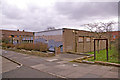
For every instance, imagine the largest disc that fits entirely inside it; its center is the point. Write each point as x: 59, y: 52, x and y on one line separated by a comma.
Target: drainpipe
x: 83, y: 43
x: 75, y: 41
x: 33, y: 39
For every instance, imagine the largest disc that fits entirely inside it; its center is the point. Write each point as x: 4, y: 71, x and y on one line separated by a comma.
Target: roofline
x: 48, y: 30
x: 114, y: 31
x: 86, y: 30
x: 62, y: 29
x: 15, y: 30
x: 76, y: 29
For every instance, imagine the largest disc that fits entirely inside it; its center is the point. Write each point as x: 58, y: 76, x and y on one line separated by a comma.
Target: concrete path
x: 61, y: 66
x: 8, y: 65
x: 13, y: 70
x: 26, y: 72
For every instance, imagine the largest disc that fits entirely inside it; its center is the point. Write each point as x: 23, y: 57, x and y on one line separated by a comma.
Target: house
x: 69, y: 40
x: 16, y: 37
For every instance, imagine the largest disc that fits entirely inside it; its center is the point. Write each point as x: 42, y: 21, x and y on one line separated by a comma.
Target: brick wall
x: 71, y: 41
x: 68, y: 40
x: 18, y: 35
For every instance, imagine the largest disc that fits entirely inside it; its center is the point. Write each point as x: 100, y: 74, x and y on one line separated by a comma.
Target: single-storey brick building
x: 69, y: 40
x: 17, y: 36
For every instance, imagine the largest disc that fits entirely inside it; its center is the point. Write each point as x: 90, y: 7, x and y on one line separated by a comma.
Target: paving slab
x: 94, y: 66
x: 63, y: 66
x: 110, y: 75
x: 89, y: 75
x: 65, y: 72
x: 26, y: 72
x: 51, y: 60
x: 72, y: 56
x: 40, y: 66
x: 62, y: 62
x: 76, y: 74
x: 27, y: 62
x: 98, y: 72
x: 8, y: 65
x: 79, y: 64
x: 114, y: 69
x: 53, y: 70
x: 51, y: 64
x: 106, y: 68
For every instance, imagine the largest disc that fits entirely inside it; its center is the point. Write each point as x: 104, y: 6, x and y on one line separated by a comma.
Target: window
x: 88, y: 39
x: 10, y: 36
x: 114, y: 36
x: 80, y: 39
x: 93, y: 39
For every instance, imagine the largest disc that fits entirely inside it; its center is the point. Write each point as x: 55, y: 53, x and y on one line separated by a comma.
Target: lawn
x: 101, y: 56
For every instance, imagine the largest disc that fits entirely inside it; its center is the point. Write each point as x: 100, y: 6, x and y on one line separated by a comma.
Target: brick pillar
x: 57, y: 50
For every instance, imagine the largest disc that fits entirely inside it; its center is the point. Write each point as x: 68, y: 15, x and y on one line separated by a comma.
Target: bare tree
x: 96, y: 27
x: 108, y: 28
x: 100, y: 29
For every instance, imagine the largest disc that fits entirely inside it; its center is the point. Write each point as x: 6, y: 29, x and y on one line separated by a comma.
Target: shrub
x: 8, y: 45
x: 20, y: 46
x: 3, y: 44
x: 40, y: 47
x: 31, y: 46
x: 28, y: 46
x: 36, y: 47
x: 5, y: 40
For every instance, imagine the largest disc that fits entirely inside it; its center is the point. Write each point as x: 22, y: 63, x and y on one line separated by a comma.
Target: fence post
x: 107, y: 48
x: 94, y: 50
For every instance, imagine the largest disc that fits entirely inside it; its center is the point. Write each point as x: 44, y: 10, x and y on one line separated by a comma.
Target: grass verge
x: 101, y: 56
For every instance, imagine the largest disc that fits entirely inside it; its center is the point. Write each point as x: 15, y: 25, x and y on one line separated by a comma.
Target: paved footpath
x: 13, y: 70
x: 60, y: 66
x: 8, y: 65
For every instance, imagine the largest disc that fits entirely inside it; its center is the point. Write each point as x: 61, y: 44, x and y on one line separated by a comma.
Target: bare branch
x: 100, y: 28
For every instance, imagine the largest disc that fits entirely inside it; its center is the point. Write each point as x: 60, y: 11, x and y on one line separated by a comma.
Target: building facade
x: 17, y: 37
x: 54, y: 38
x: 69, y: 40
x: 114, y: 35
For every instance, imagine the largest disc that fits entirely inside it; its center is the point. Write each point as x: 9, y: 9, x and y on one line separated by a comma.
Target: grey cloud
x: 79, y: 10
x: 38, y: 18
x: 30, y: 19
x: 11, y: 11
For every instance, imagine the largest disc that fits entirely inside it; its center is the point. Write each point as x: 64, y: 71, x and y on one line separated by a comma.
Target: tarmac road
x: 12, y: 70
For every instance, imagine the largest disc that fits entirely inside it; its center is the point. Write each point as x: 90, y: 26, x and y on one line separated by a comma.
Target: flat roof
x: 15, y: 31
x: 49, y: 30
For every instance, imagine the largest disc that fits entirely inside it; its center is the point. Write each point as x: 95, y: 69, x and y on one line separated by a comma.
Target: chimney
x: 17, y: 29
x: 23, y: 30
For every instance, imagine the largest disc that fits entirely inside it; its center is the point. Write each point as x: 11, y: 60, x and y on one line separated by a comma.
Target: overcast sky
x: 37, y: 15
